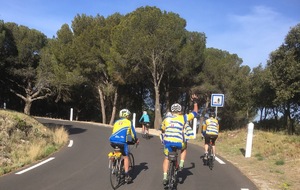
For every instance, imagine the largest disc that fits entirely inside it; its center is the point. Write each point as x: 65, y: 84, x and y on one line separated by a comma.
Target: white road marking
x: 219, y: 160
x: 70, y: 143
x: 244, y: 189
x: 32, y: 167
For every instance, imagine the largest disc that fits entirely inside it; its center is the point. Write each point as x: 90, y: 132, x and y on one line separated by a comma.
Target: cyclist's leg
x: 125, y: 157
x: 126, y: 164
x: 206, y: 142
x: 143, y: 128
x: 214, y: 144
x: 183, y: 155
x: 147, y: 127
x: 165, y: 165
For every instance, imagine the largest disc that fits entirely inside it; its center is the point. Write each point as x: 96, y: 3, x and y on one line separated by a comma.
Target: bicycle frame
x: 116, y: 168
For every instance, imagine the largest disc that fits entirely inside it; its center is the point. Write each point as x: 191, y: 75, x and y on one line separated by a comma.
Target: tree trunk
x: 27, y: 107
x: 102, y: 104
x: 114, y: 108
x: 158, y: 119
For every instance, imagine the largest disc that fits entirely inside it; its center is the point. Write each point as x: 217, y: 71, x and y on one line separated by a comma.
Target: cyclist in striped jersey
x: 172, y: 128
x: 210, y: 129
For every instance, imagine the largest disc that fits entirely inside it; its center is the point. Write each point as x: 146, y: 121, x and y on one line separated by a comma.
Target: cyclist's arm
x: 141, y: 118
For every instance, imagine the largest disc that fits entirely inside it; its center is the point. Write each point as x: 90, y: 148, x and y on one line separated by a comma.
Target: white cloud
x: 254, y: 35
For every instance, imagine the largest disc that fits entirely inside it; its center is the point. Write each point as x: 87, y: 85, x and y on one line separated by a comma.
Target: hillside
x: 23, y: 140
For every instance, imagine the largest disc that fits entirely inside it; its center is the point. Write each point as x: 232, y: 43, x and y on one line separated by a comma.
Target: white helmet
x: 176, y: 107
x: 124, y: 113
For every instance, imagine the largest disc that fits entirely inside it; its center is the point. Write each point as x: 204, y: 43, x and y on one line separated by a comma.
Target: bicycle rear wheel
x: 115, y: 174
x: 210, y: 158
x: 172, y: 177
x: 131, y: 162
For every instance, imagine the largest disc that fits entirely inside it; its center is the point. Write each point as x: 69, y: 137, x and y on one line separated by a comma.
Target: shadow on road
x: 139, y: 168
x: 182, y: 175
x: 70, y: 128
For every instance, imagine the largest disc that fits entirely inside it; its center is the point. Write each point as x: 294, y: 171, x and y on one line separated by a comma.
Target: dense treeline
x: 144, y: 60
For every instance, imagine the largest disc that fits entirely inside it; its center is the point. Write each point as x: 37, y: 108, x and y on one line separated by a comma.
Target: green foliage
x: 279, y: 162
x: 259, y: 156
x: 284, y: 65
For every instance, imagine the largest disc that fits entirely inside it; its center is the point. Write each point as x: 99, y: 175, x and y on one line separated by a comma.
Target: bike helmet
x: 124, y: 113
x: 212, y: 114
x: 176, y: 107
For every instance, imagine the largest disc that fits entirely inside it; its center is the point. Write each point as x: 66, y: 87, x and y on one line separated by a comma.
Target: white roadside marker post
x: 249, y: 140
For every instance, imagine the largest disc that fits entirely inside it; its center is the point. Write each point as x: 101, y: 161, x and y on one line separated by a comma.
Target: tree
x: 147, y: 38
x: 222, y: 73
x: 284, y: 64
x: 23, y: 78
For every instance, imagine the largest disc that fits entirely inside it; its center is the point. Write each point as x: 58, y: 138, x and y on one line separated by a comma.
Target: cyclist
x: 210, y: 129
x: 145, y: 120
x: 124, y: 133
x: 172, y: 128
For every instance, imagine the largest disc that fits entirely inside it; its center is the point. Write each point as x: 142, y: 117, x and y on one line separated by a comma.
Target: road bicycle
x: 116, y: 167
x: 210, y: 155
x: 209, y: 161
x: 145, y: 134
x: 173, y: 169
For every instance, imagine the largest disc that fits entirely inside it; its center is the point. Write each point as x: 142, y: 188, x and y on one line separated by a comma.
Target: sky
x: 251, y: 29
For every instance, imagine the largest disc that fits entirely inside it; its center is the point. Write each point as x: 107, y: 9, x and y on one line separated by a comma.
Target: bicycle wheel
x: 115, y: 174
x: 172, y: 181
x: 131, y: 162
x: 147, y: 136
x: 210, y: 158
x: 211, y: 162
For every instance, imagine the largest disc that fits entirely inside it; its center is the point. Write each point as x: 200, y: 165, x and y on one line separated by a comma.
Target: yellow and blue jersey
x: 211, y: 126
x: 122, y: 128
x: 173, y: 127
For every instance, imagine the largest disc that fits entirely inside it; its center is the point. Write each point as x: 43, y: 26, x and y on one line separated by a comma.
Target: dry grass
x: 274, y: 161
x: 23, y: 140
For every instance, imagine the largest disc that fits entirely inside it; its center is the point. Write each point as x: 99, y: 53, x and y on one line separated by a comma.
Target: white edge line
x: 244, y: 189
x: 219, y: 160
x: 70, y: 143
x: 32, y: 167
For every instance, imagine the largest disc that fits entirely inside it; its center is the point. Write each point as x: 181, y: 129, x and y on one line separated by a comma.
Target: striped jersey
x: 211, y: 126
x: 173, y: 127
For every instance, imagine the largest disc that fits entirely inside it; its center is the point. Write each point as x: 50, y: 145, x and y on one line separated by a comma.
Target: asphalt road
x: 83, y: 165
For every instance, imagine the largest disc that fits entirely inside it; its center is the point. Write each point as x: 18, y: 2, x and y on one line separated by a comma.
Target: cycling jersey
x: 211, y: 126
x: 145, y: 118
x: 173, y: 127
x: 122, y: 131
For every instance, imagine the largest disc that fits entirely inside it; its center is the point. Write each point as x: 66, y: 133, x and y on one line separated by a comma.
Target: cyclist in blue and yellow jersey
x: 210, y: 129
x: 123, y: 133
x: 172, y: 128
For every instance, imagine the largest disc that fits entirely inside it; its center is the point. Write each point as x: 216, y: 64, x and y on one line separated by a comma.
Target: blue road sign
x: 217, y: 100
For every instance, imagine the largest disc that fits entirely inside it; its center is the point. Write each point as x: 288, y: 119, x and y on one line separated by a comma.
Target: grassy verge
x: 274, y: 162
x: 23, y: 140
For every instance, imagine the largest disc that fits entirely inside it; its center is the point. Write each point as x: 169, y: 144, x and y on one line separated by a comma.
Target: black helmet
x: 212, y: 114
